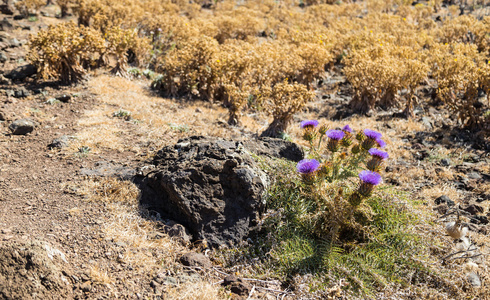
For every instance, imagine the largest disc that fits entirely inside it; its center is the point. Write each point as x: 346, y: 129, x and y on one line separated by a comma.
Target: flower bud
x: 355, y: 199
x: 356, y: 149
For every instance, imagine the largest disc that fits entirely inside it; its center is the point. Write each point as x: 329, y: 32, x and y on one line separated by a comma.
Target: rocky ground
x: 68, y: 230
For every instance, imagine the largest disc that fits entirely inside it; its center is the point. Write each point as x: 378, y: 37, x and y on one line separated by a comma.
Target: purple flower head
x: 370, y: 177
x: 335, y: 134
x: 372, y: 134
x: 309, y: 123
x: 378, y: 153
x: 347, y: 129
x: 381, y: 143
x: 307, y: 166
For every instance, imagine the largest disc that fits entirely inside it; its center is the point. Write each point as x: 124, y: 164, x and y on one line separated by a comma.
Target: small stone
x: 474, y: 175
x: 59, y: 143
x: 237, y: 285
x: 22, y: 126
x: 22, y: 72
x: 479, y: 220
x: 427, y: 122
x: 63, y: 98
x: 193, y: 259
x: 446, y: 162
x: 14, y: 43
x: 3, y: 57
x: 5, y: 81
x: 474, y: 279
x: 444, y: 199
x: 121, y: 244
x: 86, y: 286
x: 474, y: 209
x: 170, y: 280
x: 21, y: 92
x: 6, y: 24
x: 178, y: 232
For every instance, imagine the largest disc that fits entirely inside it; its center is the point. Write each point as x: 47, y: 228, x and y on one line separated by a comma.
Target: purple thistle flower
x: 370, y: 177
x: 347, y: 129
x: 372, y: 134
x: 381, y: 143
x: 378, y: 153
x: 307, y: 166
x: 335, y: 134
x: 309, y: 123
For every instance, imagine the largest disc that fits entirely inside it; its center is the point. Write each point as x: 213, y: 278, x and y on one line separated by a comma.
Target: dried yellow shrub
x: 65, y: 51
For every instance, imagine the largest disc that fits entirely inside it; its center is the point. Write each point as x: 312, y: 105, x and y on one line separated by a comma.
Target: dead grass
x: 198, y: 290
x: 132, y: 225
x: 99, y: 276
x: 156, y: 121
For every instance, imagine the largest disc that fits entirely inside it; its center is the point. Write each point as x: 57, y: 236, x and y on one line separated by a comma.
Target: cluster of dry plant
x: 26, y: 7
x: 67, y: 51
x: 232, y: 52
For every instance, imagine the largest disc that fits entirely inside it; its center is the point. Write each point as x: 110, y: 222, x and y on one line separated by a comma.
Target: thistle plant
x: 341, y: 175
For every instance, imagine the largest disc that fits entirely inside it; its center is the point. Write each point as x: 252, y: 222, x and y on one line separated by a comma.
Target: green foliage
x: 388, y: 253
x: 123, y: 114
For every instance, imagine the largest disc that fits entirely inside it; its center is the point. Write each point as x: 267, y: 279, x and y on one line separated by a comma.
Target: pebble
x: 474, y: 279
x: 446, y: 162
x: 21, y: 93
x: 22, y: 126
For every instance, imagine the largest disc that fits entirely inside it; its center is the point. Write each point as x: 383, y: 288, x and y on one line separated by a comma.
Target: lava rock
x: 4, y: 81
x: 22, y: 126
x: 63, y: 98
x: 211, y: 186
x: 59, y: 143
x: 427, y: 122
x: 9, y: 93
x: 274, y: 147
x: 15, y: 43
x: 21, y: 92
x: 3, y: 57
x: 474, y: 209
x: 7, y: 8
x: 446, y: 162
x: 22, y: 72
x: 6, y: 24
x: 444, y: 199
x: 474, y: 175
x: 237, y: 285
x: 193, y: 259
x: 479, y: 220
x: 177, y: 232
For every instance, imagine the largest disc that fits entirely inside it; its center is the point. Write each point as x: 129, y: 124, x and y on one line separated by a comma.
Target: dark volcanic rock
x: 237, y: 285
x: 22, y: 72
x: 21, y: 92
x: 210, y: 185
x: 275, y: 148
x: 60, y: 143
x: 63, y: 98
x: 193, y: 259
x: 474, y: 209
x: 22, y: 126
x: 444, y: 199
